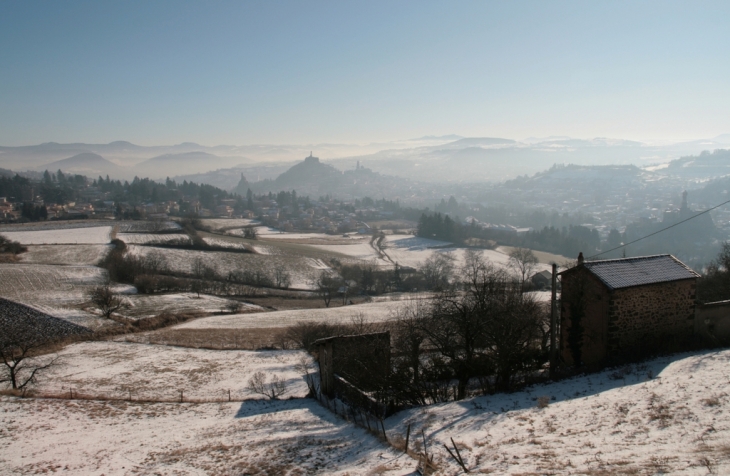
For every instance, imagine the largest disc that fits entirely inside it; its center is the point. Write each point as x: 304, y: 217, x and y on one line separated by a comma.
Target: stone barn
x: 362, y: 361
x: 621, y: 309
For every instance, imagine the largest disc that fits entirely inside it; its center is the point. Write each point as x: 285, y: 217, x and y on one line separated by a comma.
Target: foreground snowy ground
x: 158, y: 372
x: 122, y: 438
x: 668, y: 416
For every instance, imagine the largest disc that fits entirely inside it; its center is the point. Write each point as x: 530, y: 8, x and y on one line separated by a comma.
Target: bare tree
x: 20, y: 369
x: 523, y: 261
x: 489, y: 328
x: 326, y: 286
x: 250, y: 232
x: 282, y: 278
x: 106, y: 300
x: 154, y: 263
x: 438, y: 270
x: 273, y: 389
x: 157, y: 224
x: 233, y: 306
x: 409, y: 339
x: 26, y: 337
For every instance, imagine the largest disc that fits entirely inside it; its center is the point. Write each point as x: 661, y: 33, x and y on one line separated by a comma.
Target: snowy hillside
x: 668, y: 416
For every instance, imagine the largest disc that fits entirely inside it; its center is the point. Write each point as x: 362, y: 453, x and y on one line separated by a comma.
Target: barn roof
x: 639, y: 271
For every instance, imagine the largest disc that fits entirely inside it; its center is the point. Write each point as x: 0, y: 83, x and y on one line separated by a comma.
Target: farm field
x: 267, y: 233
x: 127, y: 438
x: 542, y: 256
x: 360, y: 249
x: 409, y: 250
x: 142, y: 226
x: 302, y: 269
x: 97, y: 235
x: 372, y: 312
x: 667, y: 416
x: 146, y: 305
x: 153, y: 238
x: 224, y: 224
x: 65, y: 254
x: 60, y: 225
x: 226, y: 243
x: 156, y: 372
x: 56, y: 290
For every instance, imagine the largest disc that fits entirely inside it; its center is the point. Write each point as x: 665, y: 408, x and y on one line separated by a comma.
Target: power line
x: 657, y: 232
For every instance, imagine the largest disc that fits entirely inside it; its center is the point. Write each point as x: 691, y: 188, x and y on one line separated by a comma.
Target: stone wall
x: 595, y: 298
x: 629, y: 323
x: 645, y: 319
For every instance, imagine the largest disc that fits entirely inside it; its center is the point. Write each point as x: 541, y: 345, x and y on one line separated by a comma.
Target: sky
x: 310, y: 72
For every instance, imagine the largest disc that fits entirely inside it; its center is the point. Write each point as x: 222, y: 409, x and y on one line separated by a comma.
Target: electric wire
x: 659, y: 231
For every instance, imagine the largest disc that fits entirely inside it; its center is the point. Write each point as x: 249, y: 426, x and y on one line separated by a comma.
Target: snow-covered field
x: 153, y: 238
x: 290, y: 437
x: 55, y: 290
x: 267, y: 233
x: 223, y: 243
x: 302, y: 269
x: 113, y: 369
x: 67, y: 236
x: 372, y: 312
x: 227, y: 223
x: 359, y: 249
x: 141, y: 226
x: 65, y: 254
x: 667, y: 416
x: 146, y: 305
x: 409, y: 250
x: 59, y: 225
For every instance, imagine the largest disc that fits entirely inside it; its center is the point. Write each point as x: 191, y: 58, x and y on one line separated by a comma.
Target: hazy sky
x: 307, y: 71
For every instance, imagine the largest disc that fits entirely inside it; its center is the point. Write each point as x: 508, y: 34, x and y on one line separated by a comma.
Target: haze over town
x: 365, y: 238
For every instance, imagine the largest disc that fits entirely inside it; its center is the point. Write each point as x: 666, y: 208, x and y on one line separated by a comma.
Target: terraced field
x: 56, y: 290
x: 65, y: 254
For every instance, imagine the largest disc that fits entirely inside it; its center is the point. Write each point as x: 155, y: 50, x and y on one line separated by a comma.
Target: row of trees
x: 568, y: 240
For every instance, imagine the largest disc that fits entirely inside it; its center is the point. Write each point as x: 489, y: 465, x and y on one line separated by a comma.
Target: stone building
x: 620, y: 309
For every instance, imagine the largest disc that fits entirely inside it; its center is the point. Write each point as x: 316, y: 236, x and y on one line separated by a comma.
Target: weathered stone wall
x: 595, y: 321
x: 644, y: 319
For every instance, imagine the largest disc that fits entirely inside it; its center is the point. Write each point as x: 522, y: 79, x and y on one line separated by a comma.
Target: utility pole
x: 553, y: 324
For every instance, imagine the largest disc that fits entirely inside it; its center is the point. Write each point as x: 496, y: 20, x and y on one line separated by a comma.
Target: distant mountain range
x: 87, y: 163
x: 437, y: 159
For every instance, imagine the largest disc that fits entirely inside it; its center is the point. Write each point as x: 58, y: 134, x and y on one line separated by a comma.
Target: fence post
x: 181, y: 396
x: 229, y: 394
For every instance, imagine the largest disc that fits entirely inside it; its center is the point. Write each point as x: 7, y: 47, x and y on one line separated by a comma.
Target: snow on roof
x: 628, y: 272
